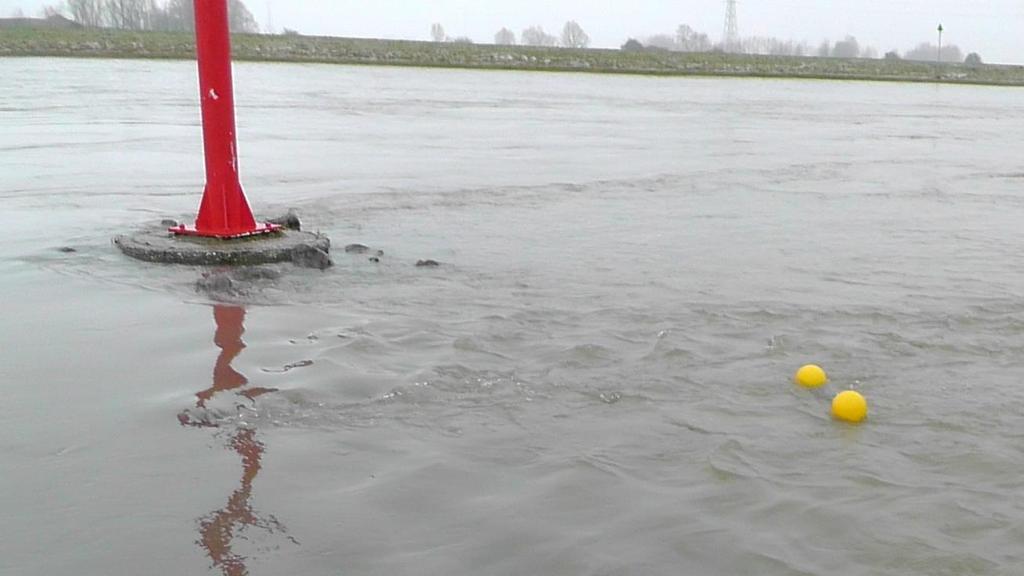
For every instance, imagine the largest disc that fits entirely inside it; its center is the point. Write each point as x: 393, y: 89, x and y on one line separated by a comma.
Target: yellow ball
x: 850, y: 406
x: 811, y: 376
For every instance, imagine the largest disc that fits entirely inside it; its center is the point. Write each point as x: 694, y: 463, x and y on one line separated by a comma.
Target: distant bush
x: 848, y: 48
x: 663, y: 42
x: 632, y: 45
x: 892, y: 55
x: 928, y: 52
x: 973, y: 59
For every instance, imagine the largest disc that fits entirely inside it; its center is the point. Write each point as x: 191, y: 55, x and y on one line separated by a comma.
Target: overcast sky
x: 993, y: 28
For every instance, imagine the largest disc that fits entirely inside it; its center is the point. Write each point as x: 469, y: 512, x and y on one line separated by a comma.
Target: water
x: 595, y: 381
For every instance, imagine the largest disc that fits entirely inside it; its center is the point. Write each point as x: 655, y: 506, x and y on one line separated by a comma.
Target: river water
x: 596, y: 380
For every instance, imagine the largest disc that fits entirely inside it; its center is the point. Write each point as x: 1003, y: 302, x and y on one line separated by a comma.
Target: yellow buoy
x: 850, y: 406
x: 810, y: 376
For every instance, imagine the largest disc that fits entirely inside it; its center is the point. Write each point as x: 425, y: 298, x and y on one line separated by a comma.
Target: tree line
x: 573, y: 36
x: 686, y: 39
x: 165, y: 15
x: 178, y: 15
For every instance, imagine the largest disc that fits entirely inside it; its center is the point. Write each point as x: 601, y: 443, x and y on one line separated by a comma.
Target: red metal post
x: 224, y: 212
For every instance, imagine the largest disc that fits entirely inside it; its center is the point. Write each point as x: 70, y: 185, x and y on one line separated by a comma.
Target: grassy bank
x: 115, y: 44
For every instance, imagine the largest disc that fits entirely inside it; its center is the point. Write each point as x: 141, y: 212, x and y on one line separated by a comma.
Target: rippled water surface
x: 596, y: 380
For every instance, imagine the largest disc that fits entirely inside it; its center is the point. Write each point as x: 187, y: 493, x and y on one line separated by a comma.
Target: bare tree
x: 505, y: 37
x: 437, y: 32
x: 157, y: 18
x: 573, y: 35
x: 689, y: 40
x: 86, y: 12
x: 115, y: 13
x: 50, y: 11
x: 17, y: 13
x: 536, y: 36
x: 149, y: 10
x: 131, y: 14
x: 824, y: 50
x: 120, y: 14
x: 240, y: 19
x: 178, y: 16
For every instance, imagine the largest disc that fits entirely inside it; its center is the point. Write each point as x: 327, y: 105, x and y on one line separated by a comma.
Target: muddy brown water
x: 595, y: 380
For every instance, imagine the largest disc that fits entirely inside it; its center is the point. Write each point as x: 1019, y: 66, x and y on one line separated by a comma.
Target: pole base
x: 154, y: 244
x: 182, y: 230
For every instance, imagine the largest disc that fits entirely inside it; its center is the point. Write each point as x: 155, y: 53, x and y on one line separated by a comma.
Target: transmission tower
x: 731, y: 34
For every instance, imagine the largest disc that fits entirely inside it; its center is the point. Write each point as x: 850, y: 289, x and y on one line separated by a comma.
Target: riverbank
x: 264, y: 48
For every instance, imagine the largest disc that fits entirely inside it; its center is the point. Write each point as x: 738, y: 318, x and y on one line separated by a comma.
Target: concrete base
x: 156, y: 244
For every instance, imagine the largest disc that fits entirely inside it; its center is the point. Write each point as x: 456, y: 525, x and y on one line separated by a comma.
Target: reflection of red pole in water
x: 228, y: 337
x: 224, y: 212
x: 230, y: 322
x: 217, y: 530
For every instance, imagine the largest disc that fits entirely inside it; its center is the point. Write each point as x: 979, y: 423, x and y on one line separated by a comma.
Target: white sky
x: 992, y: 28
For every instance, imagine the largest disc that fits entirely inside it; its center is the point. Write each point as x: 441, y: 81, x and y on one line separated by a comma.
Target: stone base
x: 156, y: 244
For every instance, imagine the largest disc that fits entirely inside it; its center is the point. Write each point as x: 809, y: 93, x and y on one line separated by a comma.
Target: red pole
x: 224, y: 212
